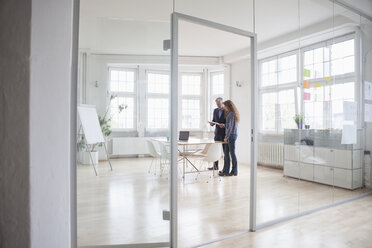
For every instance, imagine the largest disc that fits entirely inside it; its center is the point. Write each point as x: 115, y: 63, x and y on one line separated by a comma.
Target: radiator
x: 270, y: 154
x: 129, y: 146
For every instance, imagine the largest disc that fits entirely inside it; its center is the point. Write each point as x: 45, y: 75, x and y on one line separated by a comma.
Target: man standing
x: 219, y: 132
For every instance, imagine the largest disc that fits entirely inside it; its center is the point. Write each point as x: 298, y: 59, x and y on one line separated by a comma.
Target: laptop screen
x: 184, y: 135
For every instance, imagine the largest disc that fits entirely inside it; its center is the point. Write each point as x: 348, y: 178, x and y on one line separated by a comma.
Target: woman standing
x: 231, y: 127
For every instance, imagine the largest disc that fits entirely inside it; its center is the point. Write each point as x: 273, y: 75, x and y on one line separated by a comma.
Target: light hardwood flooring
x: 125, y: 205
x: 345, y: 226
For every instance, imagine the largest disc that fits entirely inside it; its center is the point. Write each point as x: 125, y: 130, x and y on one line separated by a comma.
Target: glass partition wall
x: 310, y: 113
x: 125, y: 77
x: 311, y: 132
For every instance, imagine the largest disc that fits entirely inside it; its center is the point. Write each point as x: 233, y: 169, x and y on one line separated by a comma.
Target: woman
x: 231, y: 127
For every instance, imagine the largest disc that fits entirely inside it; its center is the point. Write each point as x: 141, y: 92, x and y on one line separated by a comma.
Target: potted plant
x: 105, y: 123
x: 83, y: 152
x: 299, y: 119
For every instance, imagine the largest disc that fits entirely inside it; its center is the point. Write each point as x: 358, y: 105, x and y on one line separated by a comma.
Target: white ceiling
x: 140, y: 26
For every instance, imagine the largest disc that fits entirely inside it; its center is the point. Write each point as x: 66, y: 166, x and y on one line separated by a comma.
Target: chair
x: 213, y: 154
x: 202, y: 152
x: 165, y: 157
x: 154, y: 154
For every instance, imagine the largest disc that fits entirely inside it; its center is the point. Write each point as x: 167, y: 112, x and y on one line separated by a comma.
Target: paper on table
x: 328, y: 79
x: 349, y: 134
x: 316, y: 85
x: 368, y: 112
x: 350, y: 111
x: 368, y: 90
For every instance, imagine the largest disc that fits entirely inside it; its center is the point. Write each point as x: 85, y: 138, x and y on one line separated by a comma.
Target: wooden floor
x: 125, y: 205
x: 345, y: 226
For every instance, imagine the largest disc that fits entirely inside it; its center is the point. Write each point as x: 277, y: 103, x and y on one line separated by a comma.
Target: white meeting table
x: 183, y: 152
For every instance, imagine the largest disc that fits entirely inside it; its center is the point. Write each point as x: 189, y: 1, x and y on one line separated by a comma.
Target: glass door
x: 124, y: 77
x: 209, y: 207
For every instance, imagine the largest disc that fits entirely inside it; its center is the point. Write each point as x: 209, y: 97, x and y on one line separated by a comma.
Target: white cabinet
x: 291, y: 169
x: 307, y: 154
x: 348, y: 159
x: 323, y: 156
x: 350, y: 179
x: 307, y: 171
x: 325, y: 161
x: 323, y: 174
x: 291, y: 152
x: 299, y: 170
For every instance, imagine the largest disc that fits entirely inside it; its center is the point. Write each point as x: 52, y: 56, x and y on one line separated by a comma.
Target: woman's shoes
x: 221, y: 174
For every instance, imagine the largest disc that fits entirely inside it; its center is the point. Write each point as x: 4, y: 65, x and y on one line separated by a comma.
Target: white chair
x: 165, y: 157
x: 213, y: 154
x: 154, y: 154
x: 202, y: 152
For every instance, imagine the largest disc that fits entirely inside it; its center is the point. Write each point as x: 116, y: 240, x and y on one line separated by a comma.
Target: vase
x: 299, y: 125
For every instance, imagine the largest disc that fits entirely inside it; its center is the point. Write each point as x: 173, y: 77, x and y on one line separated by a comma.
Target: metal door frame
x: 175, y: 18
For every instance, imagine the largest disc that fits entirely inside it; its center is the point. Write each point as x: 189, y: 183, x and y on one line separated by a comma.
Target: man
x: 219, y: 132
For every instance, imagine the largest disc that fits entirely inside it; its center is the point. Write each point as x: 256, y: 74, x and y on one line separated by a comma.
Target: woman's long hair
x: 231, y: 107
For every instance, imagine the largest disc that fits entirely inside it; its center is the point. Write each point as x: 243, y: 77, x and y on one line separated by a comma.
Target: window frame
x: 199, y: 97
x: 133, y: 95
x: 336, y: 79
x: 156, y: 95
x: 299, y: 91
x: 212, y: 97
x: 276, y: 88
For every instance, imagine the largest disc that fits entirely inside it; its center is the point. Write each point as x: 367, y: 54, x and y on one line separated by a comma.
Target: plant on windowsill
x: 299, y: 119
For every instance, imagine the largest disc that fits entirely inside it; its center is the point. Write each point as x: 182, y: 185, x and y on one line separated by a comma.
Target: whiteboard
x: 89, y: 121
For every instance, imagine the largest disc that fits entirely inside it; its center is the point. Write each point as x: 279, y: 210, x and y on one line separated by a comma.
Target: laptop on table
x: 184, y: 136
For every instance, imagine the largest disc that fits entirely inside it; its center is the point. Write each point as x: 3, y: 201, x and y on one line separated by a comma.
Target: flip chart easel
x: 92, y: 130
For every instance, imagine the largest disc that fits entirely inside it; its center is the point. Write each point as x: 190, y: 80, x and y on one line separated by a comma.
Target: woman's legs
x: 226, y: 167
x: 232, y: 140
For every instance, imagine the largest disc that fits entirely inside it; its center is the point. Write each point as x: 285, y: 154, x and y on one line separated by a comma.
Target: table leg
x: 184, y: 160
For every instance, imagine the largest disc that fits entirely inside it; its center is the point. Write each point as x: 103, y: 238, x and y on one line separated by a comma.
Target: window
x: 157, y: 100
x: 268, y: 109
x: 190, y: 113
x: 314, y: 108
x: 121, y: 80
x: 217, y: 89
x: 278, y: 84
x: 342, y: 55
x: 287, y: 69
x: 338, y: 94
x: 287, y: 108
x: 317, y: 62
x: 326, y: 81
x: 269, y: 73
x: 329, y: 70
x: 328, y: 59
x: 142, y: 103
x: 122, y: 107
x: 217, y: 84
x: 158, y: 83
x: 157, y: 113
x: 190, y: 84
x: 191, y: 100
x: 122, y: 119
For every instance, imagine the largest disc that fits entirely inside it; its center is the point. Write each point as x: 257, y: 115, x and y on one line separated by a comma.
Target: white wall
x: 35, y: 107
x: 15, y: 18
x: 241, y: 96
x: 50, y: 123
